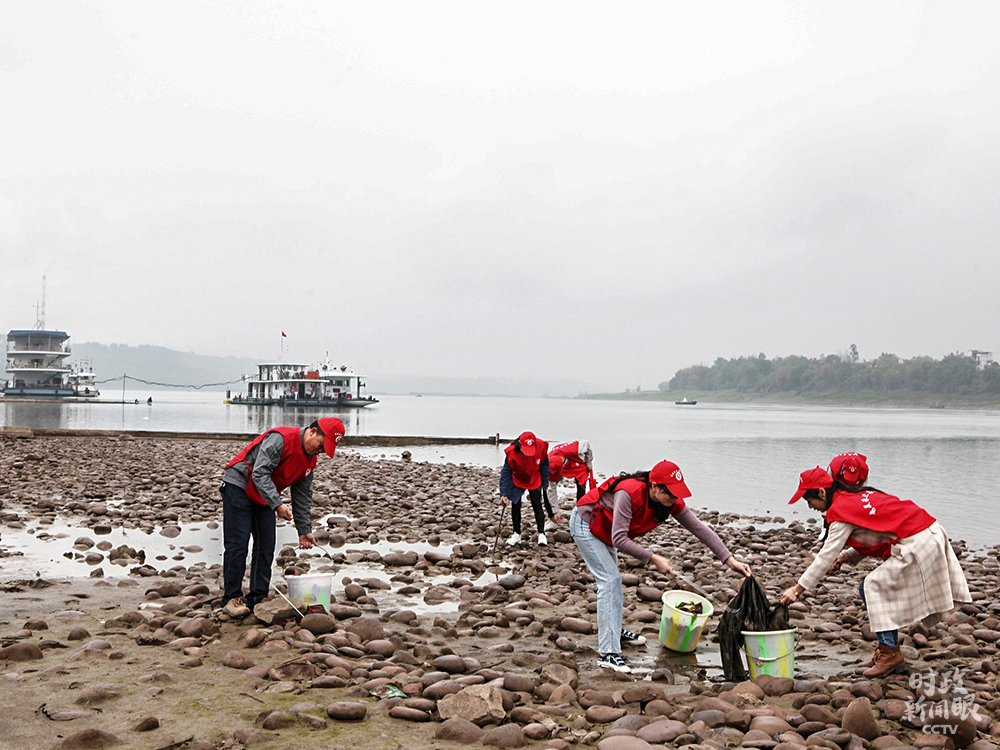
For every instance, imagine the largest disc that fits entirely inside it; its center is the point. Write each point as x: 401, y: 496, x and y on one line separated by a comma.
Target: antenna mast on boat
x: 40, y: 310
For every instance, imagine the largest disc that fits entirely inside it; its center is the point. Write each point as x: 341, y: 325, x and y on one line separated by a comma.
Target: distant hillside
x: 161, y: 365
x: 957, y: 374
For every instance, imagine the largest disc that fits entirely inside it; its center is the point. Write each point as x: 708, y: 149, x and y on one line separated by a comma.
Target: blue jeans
x: 242, y: 519
x: 885, y: 637
x: 602, y: 560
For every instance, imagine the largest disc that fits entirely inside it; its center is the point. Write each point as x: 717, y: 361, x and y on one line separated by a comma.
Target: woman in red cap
x: 920, y: 579
x: 608, y: 519
x: 526, y: 467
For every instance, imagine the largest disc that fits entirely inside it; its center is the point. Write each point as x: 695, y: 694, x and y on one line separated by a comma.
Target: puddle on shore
x: 40, y: 551
x: 813, y: 660
x: 47, y: 551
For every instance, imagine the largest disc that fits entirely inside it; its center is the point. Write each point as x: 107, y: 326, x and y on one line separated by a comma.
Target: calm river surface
x: 735, y: 457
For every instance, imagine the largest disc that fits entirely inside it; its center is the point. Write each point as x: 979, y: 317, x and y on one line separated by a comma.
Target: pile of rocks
x: 507, y: 661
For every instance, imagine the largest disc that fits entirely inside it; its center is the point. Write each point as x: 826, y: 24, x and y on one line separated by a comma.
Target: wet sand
x: 113, y: 610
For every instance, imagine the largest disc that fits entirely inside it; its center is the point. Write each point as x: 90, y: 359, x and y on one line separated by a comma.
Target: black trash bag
x: 778, y: 619
x: 748, y: 611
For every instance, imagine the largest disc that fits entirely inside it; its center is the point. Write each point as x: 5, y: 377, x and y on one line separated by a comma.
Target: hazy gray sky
x: 600, y: 191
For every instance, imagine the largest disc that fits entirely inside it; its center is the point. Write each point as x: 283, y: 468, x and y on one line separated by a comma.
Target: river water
x: 736, y: 457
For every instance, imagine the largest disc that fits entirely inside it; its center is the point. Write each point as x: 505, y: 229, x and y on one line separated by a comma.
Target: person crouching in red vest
x: 526, y: 467
x: 251, y: 499
x: 849, y: 468
x: 920, y: 579
x: 608, y: 519
x: 569, y: 461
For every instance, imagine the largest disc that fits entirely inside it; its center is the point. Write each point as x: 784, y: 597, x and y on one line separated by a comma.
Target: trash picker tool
x: 696, y: 588
x: 503, y: 510
x: 290, y: 603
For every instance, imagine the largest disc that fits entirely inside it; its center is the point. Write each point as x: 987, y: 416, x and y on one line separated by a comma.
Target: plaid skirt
x: 920, y: 582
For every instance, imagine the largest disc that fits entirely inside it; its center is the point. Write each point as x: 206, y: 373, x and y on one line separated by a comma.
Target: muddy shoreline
x: 422, y: 603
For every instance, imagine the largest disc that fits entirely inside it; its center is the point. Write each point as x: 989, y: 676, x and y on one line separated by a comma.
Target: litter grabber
x: 290, y: 603
x: 698, y: 589
x: 503, y: 510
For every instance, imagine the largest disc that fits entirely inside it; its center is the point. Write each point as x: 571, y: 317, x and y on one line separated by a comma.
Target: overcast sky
x: 602, y: 191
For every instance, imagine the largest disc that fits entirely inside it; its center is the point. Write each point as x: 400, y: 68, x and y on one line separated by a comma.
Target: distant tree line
x: 954, y: 375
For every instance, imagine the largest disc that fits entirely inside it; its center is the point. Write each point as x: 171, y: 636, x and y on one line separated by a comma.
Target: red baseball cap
x: 527, y: 441
x: 850, y: 468
x: 333, y: 431
x: 813, y: 479
x: 668, y: 473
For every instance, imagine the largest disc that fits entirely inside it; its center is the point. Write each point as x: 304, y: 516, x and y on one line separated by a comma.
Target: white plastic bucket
x: 680, y: 630
x: 770, y: 652
x: 311, y: 589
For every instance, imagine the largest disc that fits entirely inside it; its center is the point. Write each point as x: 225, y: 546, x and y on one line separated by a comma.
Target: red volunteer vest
x: 293, y: 467
x: 565, y: 461
x: 526, y: 470
x: 878, y: 511
x: 643, y: 516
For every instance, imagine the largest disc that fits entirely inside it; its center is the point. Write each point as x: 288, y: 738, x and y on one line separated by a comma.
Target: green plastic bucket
x: 311, y: 589
x: 680, y: 630
x: 770, y: 652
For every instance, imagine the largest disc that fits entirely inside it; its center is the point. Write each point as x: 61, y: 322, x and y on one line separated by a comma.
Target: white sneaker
x: 615, y: 662
x: 551, y: 526
x: 628, y: 638
x: 514, y: 539
x: 542, y: 540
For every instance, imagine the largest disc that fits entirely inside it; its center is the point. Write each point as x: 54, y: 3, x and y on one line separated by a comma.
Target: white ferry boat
x: 298, y: 385
x: 36, y: 364
x: 83, y: 380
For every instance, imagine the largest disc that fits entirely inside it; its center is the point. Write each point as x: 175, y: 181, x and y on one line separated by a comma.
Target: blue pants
x: 885, y: 637
x: 602, y: 561
x: 242, y: 519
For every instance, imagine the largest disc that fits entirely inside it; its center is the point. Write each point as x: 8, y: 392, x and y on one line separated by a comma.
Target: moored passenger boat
x: 297, y: 385
x: 36, y: 364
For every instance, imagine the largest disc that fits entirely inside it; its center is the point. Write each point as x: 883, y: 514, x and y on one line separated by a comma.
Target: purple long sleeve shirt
x: 620, y: 503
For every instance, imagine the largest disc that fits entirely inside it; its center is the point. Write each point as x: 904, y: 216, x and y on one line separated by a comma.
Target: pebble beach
x: 437, y: 636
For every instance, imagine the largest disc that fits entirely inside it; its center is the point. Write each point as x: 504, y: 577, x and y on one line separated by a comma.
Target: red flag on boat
x: 284, y: 335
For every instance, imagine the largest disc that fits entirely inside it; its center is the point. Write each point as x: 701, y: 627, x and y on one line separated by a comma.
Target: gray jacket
x: 264, y: 458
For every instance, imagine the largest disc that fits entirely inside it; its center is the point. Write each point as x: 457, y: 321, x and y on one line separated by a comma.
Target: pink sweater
x: 620, y: 504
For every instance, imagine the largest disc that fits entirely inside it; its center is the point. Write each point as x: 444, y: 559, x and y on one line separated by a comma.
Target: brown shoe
x: 885, y: 661
x: 871, y: 662
x: 236, y: 607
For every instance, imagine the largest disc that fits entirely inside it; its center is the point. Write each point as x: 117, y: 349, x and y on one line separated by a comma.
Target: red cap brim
x: 679, y: 489
x: 330, y: 445
x: 333, y: 431
x: 797, y: 496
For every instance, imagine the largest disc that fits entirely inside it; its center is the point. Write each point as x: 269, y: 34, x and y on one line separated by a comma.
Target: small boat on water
x: 937, y: 405
x: 83, y: 380
x: 301, y: 386
x: 684, y: 402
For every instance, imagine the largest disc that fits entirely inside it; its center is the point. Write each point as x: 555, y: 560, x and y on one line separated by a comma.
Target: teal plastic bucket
x: 770, y: 652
